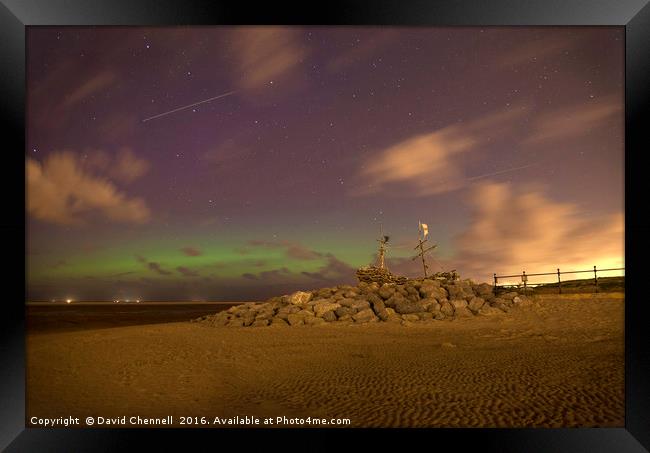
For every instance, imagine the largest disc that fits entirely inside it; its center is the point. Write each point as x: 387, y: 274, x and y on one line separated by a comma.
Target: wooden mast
x: 421, y: 241
x: 382, y: 248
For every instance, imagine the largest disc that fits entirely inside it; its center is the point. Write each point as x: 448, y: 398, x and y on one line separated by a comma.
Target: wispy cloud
x: 186, y: 272
x: 265, y: 55
x: 152, y: 265
x: 60, y: 190
x: 432, y: 163
x: 575, y: 121
x: 334, y: 270
x: 191, y: 251
x: 91, y: 86
x: 512, y: 230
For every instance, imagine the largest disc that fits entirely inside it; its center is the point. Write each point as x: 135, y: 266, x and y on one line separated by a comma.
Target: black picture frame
x: 633, y: 15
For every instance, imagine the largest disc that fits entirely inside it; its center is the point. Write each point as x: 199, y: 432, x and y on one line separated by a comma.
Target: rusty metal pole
x: 524, y: 278
x: 595, y: 279
x: 494, y: 290
x: 559, y: 282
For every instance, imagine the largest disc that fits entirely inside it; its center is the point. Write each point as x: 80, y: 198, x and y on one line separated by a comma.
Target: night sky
x: 507, y: 142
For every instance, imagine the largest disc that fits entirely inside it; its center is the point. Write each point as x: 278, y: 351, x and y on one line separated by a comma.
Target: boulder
x: 463, y: 312
x: 284, y: 312
x: 413, y: 297
x: 458, y: 303
x: 235, y: 322
x: 489, y: 310
x: 329, y: 316
x: 347, y: 302
x: 380, y: 310
x: 345, y: 318
x: 360, y: 305
x: 279, y: 322
x: 406, y: 307
x: 475, y: 304
x: 296, y: 319
x: 412, y: 290
x: 393, y: 300
x: 342, y: 311
x: 484, y: 289
x: 299, y: 298
x: 386, y: 291
x: 411, y: 317
x: 459, y: 291
x: 260, y: 323
x: 365, y: 315
x: 314, y: 320
x: 447, y: 309
x: 497, y: 301
x: 426, y: 316
x: 373, y: 298
x: 429, y: 290
x: 248, y: 318
x: 323, y: 307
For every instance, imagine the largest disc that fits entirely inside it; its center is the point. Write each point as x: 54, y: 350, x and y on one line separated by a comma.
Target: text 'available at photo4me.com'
x: 136, y: 420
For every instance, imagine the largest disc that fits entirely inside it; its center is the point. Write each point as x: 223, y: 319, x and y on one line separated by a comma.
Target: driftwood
x: 371, y: 274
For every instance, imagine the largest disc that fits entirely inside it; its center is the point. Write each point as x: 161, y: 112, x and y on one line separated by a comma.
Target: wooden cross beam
x: 424, y: 251
x: 421, y: 254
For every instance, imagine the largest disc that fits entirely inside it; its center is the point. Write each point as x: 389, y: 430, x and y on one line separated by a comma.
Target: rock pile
x: 414, y: 301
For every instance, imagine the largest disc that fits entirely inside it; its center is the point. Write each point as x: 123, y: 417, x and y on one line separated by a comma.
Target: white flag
x: 425, y: 229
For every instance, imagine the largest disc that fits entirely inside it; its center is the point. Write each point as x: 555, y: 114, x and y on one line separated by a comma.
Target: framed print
x: 413, y: 218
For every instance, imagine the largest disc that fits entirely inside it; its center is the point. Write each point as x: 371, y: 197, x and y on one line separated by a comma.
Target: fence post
x: 524, y: 278
x: 595, y: 279
x: 559, y: 282
x: 494, y: 290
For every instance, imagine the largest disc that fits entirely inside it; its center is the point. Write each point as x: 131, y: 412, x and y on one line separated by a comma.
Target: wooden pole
x: 524, y: 279
x: 595, y: 279
x: 559, y: 282
x: 424, y: 264
x: 494, y: 290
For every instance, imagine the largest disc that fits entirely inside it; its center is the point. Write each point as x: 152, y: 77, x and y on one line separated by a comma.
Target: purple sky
x: 508, y: 142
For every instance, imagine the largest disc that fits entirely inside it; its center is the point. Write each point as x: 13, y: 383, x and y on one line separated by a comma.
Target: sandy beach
x: 558, y: 363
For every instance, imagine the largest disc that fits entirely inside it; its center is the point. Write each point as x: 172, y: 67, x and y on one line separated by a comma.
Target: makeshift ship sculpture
x: 380, y: 274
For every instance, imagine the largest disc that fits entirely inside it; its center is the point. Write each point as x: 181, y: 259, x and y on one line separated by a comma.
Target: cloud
x: 292, y: 250
x: 91, y: 86
x: 152, y: 266
x: 268, y: 276
x: 186, y: 272
x: 123, y: 166
x: 191, y: 251
x: 334, y: 270
x: 514, y: 230
x: 127, y: 167
x: 432, y: 163
x: 158, y: 268
x: 61, y: 191
x: 265, y: 55
x: 574, y: 122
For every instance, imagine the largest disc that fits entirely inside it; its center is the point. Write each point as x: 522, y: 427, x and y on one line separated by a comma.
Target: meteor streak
x: 499, y: 172
x: 188, y: 106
